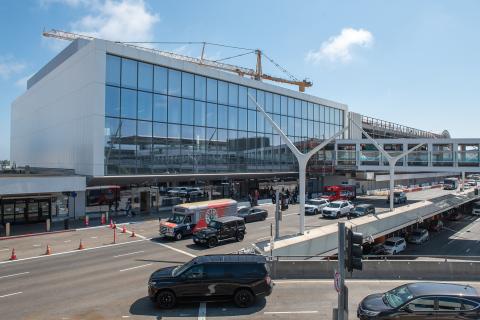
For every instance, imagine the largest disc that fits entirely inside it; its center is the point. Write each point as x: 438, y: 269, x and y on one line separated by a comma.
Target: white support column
x: 302, y: 172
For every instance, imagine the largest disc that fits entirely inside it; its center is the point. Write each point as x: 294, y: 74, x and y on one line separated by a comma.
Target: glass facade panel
x: 113, y: 70
x: 112, y: 101
x: 145, y: 76
x: 129, y: 103
x: 129, y: 73
x: 160, y: 80
x: 187, y: 85
x: 160, y: 108
x: 161, y: 120
x: 145, y: 100
x: 174, y: 82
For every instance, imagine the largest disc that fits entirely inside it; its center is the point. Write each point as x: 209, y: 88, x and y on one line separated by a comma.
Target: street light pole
x: 302, y: 158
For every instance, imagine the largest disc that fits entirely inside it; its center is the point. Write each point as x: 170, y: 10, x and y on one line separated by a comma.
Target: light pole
x: 392, y: 161
x: 302, y: 158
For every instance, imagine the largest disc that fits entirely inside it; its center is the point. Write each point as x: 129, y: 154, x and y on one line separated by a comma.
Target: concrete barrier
x: 438, y: 270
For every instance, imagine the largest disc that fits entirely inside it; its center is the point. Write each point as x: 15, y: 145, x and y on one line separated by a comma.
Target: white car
x: 394, y: 245
x: 337, y: 209
x: 418, y: 236
x: 315, y: 206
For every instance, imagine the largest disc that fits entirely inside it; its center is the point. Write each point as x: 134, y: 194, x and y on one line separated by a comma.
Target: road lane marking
x: 10, y: 294
x: 15, y: 274
x: 202, y: 311
x: 74, y: 251
x: 177, y: 250
x: 36, y: 245
x: 6, y: 249
x: 283, y: 215
x: 137, y: 267
x: 94, y: 237
x: 468, y: 250
x: 290, y: 312
x: 128, y: 254
x: 67, y: 241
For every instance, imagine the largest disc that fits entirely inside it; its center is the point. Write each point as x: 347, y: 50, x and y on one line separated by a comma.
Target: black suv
x: 238, y: 277
x: 422, y: 300
x: 223, y: 228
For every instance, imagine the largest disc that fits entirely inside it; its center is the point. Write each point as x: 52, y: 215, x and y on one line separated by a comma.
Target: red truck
x: 340, y: 192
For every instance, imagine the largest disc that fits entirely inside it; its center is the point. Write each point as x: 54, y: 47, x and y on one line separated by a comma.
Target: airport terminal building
x: 124, y: 115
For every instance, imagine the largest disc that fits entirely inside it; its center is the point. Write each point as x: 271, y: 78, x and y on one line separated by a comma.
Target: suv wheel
x: 212, y: 242
x: 166, y: 299
x: 239, y: 236
x: 243, y: 298
x: 178, y: 236
x: 337, y: 216
x: 315, y: 212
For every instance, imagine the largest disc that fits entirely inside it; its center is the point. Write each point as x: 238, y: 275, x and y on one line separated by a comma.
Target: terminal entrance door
x: 25, y: 210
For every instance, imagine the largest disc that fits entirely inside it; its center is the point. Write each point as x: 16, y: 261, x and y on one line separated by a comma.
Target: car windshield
x: 180, y: 269
x: 360, y: 209
x: 176, y: 218
x: 398, y: 296
x: 416, y: 233
x: 334, y: 205
x: 389, y: 243
x: 214, y: 224
x: 314, y: 202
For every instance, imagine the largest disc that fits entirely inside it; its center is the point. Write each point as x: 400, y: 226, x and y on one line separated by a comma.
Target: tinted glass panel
x: 113, y: 70
x: 200, y: 113
x: 112, y: 101
x: 211, y: 90
x: 232, y: 118
x: 145, y: 76
x: 160, y: 83
x: 215, y: 271
x: 222, y: 116
x: 200, y: 88
x: 211, y: 115
x: 449, y: 304
x: 251, y: 93
x: 145, y: 105
x: 222, y: 92
x: 242, y: 119
x: 160, y: 108
x: 129, y: 103
x: 174, y: 109
x: 422, y: 304
x: 242, y: 97
x: 187, y: 111
x: 129, y: 73
x: 174, y: 82
x: 187, y: 85
x: 252, y: 120
x: 232, y: 94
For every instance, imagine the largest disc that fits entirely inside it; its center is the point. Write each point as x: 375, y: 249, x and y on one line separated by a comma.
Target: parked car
x: 455, y: 216
x: 241, y: 278
x: 337, y: 209
x: 362, y: 210
x: 220, y: 229
x: 422, y: 300
x: 374, y: 250
x: 315, y: 206
x: 398, y: 198
x: 394, y: 245
x: 190, y: 193
x: 436, y: 225
x: 252, y: 214
x: 175, y: 191
x: 418, y: 236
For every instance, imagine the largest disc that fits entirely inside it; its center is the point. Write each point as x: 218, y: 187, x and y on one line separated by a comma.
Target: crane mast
x: 256, y: 74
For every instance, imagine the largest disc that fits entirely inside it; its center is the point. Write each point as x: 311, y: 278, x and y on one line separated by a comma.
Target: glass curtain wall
x: 164, y: 121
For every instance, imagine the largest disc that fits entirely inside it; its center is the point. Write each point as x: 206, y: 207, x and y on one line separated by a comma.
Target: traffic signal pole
x: 342, y: 313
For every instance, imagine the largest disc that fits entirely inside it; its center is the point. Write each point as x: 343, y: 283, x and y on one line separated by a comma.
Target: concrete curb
x: 36, y: 234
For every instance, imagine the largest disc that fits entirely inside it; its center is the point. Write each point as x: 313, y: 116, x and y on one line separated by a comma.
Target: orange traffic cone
x: 49, y: 250
x: 133, y: 233
x: 81, y: 247
x: 13, y: 256
x: 124, y: 229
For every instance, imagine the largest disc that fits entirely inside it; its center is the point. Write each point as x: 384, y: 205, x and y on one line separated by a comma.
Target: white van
x: 476, y: 208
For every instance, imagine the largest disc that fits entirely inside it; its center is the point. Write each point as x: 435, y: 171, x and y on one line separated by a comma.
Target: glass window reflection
x: 200, y: 88
x: 113, y: 70
x: 160, y: 108
x: 129, y: 103
x: 112, y: 101
x: 187, y: 85
x: 174, y: 82
x: 211, y: 115
x: 145, y: 105
x: 129, y: 73
x: 145, y: 76
x: 222, y: 92
x: 200, y: 113
x: 160, y: 80
x: 211, y: 90
x: 174, y: 109
x: 187, y: 111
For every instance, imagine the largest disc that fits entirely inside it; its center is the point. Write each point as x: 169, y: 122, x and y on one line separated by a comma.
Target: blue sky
x: 411, y: 62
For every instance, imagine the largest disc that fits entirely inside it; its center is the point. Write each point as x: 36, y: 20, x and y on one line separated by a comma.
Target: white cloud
x: 9, y: 66
x: 339, y: 47
x: 124, y: 20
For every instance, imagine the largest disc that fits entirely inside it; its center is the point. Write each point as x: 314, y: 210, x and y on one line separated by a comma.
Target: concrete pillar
x: 7, y: 229
x: 302, y: 168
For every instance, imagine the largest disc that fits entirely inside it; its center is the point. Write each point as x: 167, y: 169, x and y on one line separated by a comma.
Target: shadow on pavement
x: 145, y: 307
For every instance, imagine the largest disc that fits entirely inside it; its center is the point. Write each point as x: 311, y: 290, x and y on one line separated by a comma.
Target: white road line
x: 15, y: 274
x: 67, y: 241
x: 11, y: 294
x: 6, y: 249
x: 177, y: 250
x: 128, y: 254
x: 468, y: 250
x: 36, y: 245
x: 290, y: 312
x: 285, y: 215
x: 202, y: 311
x: 73, y: 251
x: 137, y: 267
x: 94, y: 237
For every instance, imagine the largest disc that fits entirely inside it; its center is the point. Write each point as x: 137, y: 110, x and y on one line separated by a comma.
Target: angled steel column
x: 392, y: 161
x: 302, y: 158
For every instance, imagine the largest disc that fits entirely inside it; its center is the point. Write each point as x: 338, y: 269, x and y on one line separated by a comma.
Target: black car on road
x: 223, y: 228
x: 422, y: 300
x: 252, y: 214
x: 362, y: 209
x: 240, y: 277
x: 398, y: 198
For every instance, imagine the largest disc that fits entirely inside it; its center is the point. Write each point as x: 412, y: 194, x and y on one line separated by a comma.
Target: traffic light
x: 353, y: 251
